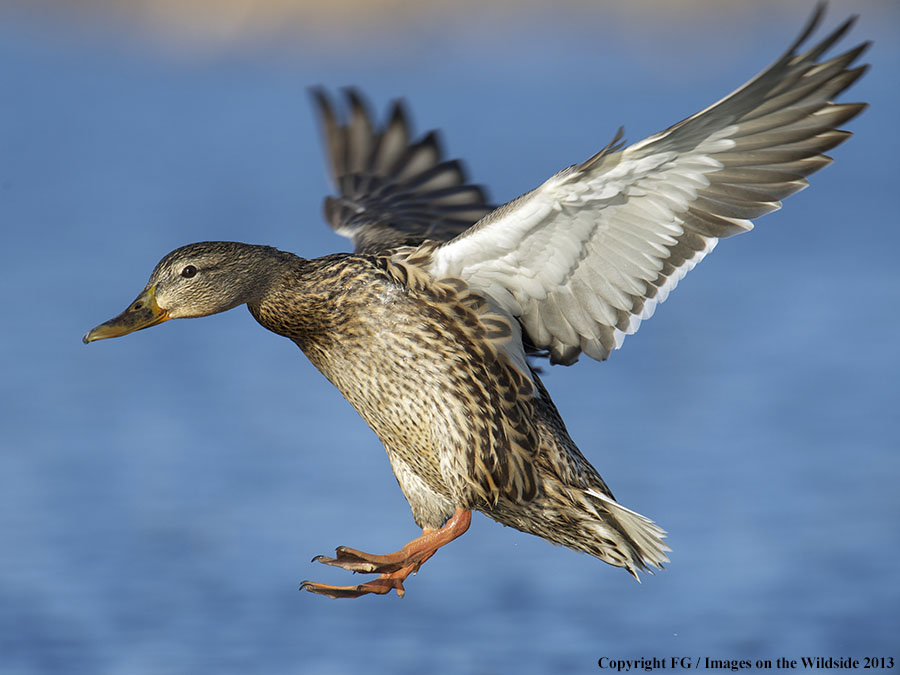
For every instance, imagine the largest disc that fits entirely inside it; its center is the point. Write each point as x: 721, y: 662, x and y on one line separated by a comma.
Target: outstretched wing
x: 588, y: 255
x: 392, y: 191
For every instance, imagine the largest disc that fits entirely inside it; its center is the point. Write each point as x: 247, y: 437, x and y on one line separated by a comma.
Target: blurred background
x: 161, y: 495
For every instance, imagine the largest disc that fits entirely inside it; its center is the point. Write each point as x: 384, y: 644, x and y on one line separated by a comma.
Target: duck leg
x: 393, y: 568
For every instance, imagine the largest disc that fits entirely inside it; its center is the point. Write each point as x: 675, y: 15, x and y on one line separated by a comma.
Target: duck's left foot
x: 394, y: 568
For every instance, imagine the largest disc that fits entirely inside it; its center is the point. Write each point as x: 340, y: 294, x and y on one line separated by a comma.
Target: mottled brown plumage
x: 375, y: 326
x: 425, y: 327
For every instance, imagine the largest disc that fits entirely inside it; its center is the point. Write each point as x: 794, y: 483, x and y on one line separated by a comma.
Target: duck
x: 434, y: 327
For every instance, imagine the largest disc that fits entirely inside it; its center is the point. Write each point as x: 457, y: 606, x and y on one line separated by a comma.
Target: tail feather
x: 645, y: 547
x: 587, y: 520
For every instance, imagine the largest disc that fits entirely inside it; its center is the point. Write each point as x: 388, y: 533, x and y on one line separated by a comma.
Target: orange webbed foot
x: 393, y: 568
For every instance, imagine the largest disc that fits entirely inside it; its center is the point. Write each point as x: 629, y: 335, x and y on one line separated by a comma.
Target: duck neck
x: 285, y: 301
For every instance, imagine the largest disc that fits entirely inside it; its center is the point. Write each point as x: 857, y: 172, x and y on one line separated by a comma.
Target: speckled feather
x: 379, y: 325
x: 375, y: 326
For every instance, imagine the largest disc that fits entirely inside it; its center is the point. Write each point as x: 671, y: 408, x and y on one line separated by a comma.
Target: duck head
x: 192, y: 281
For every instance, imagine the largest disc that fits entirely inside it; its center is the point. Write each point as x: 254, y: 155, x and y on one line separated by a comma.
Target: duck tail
x: 637, y: 541
x: 591, y: 521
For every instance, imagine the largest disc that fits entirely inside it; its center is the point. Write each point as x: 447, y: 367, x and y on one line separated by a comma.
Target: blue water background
x: 161, y: 495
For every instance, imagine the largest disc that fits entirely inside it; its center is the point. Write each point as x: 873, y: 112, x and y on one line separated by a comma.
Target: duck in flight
x: 426, y: 328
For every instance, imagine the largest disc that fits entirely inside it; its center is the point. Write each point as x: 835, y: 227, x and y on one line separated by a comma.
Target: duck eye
x: 189, y: 271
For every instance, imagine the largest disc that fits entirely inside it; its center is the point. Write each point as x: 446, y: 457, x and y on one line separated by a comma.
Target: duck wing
x: 392, y: 191
x: 588, y: 255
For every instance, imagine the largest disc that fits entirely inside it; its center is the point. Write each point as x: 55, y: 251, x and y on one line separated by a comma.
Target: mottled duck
x: 427, y: 328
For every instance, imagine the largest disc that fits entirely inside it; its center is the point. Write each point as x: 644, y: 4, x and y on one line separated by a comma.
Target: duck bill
x: 142, y: 313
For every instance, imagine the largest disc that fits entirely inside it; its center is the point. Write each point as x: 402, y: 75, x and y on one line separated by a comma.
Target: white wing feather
x: 588, y: 255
